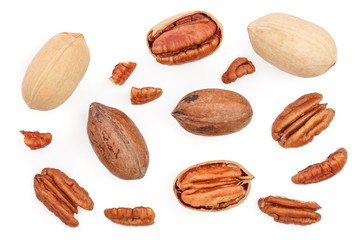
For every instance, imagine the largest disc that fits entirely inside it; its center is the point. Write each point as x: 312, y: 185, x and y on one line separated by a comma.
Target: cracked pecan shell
x: 184, y: 38
x: 61, y: 195
x: 139, y: 216
x: 213, y: 185
x: 301, y: 121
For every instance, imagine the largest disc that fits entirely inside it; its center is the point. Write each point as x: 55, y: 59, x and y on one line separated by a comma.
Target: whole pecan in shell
x: 61, y: 195
x: 184, y: 38
x: 301, y: 121
x: 321, y: 171
x: 117, y: 142
x: 212, y: 112
x: 139, y: 216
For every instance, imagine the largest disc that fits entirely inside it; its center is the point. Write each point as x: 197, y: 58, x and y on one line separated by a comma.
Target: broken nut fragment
x: 139, y: 216
x: 121, y: 72
x: 36, y: 140
x: 321, y: 171
x: 61, y: 195
x: 238, y: 68
x: 144, y: 95
x: 285, y: 210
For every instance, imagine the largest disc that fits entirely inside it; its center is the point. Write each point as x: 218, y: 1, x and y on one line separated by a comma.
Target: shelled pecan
x: 121, y: 72
x: 238, y: 68
x: 61, y: 195
x: 285, y: 210
x: 321, y: 171
x: 301, y: 121
x: 144, y: 95
x: 36, y: 140
x: 139, y: 216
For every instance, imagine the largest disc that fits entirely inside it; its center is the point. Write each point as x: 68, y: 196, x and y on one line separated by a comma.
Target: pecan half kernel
x: 185, y: 37
x: 121, y: 72
x: 301, y: 121
x: 36, y: 140
x: 285, y: 210
x: 321, y: 171
x: 213, y: 186
x: 61, y: 195
x: 238, y: 68
x: 144, y: 95
x: 139, y: 216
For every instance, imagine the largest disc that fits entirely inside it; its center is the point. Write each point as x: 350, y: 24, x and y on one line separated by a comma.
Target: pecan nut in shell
x: 301, y: 121
x: 321, y: 171
x: 122, y: 72
x: 61, y: 195
x: 144, y: 95
x: 184, y: 38
x: 238, y: 68
x: 213, y: 185
x: 36, y: 140
x: 285, y: 210
x: 138, y: 216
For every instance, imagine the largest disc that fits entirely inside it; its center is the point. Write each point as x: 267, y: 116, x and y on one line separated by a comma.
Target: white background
x: 115, y: 31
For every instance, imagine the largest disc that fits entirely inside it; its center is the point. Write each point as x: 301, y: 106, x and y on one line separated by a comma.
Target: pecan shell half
x: 184, y: 38
x: 139, y: 216
x: 238, y: 68
x: 285, y: 210
x: 321, y: 171
x: 301, y: 121
x: 61, y: 195
x: 213, y: 185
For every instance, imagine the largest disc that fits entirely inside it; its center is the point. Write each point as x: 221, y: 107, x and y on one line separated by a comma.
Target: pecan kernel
x: 238, y: 68
x: 144, y: 95
x: 321, y: 171
x: 36, y: 140
x: 121, y: 72
x: 285, y: 210
x: 139, y: 216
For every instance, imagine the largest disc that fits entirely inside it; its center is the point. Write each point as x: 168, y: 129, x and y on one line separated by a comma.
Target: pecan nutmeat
x: 139, y: 216
x: 144, y: 95
x: 36, y: 140
x: 301, y: 121
x: 61, y: 195
x: 238, y: 68
x: 122, y: 72
x: 285, y: 210
x: 213, y: 185
x: 185, y: 37
x: 321, y: 171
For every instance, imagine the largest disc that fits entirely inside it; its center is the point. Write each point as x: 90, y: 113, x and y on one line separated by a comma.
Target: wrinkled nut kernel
x: 293, y: 45
x: 285, y: 210
x: 139, y: 216
x: 238, y: 68
x: 117, y: 142
x: 36, y: 140
x: 184, y: 38
x: 213, y: 112
x: 122, y: 72
x: 321, y: 171
x: 301, y: 121
x: 61, y: 195
x: 144, y: 95
x: 213, y: 185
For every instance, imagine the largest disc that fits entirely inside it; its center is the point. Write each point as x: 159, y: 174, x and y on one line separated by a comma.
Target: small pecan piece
x: 301, y: 121
x: 121, y: 72
x: 321, y: 171
x: 139, y: 216
x: 61, y: 195
x: 238, y: 68
x: 36, y: 140
x: 144, y: 95
x: 285, y: 210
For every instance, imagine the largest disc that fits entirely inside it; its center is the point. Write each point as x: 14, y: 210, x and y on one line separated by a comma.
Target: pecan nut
x: 122, y: 72
x: 213, y: 185
x: 238, y: 68
x: 36, y: 140
x: 61, y: 195
x: 301, y: 121
x: 185, y: 37
x: 285, y: 210
x: 321, y: 171
x: 139, y: 216
x: 144, y: 95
